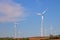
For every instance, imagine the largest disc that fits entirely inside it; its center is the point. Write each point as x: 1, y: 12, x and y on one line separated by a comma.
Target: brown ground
x: 41, y: 38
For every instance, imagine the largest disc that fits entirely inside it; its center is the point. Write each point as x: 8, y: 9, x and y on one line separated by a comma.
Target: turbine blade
x: 44, y: 11
x: 39, y: 14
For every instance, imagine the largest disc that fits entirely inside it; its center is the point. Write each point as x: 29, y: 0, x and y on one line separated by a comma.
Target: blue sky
x: 24, y: 12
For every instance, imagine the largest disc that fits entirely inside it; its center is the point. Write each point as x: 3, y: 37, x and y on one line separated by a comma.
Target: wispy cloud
x: 11, y: 11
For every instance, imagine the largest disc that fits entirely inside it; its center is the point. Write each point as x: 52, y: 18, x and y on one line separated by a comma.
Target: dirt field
x: 41, y: 38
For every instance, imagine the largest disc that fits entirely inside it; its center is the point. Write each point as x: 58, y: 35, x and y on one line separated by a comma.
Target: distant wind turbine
x: 51, y: 29
x: 15, y: 25
x: 42, y: 23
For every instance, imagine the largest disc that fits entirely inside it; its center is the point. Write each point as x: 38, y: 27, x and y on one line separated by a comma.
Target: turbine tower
x: 42, y: 22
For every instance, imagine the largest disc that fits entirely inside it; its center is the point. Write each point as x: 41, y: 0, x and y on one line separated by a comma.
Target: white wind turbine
x: 42, y: 22
x: 51, y: 29
x: 15, y: 25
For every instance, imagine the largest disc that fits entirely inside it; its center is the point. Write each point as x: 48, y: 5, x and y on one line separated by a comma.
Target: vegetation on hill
x: 54, y: 37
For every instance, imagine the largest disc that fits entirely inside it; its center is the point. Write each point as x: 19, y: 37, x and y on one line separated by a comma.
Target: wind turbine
x: 42, y: 22
x: 15, y: 25
x: 51, y: 29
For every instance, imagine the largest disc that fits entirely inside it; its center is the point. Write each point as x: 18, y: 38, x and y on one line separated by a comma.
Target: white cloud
x: 10, y: 11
